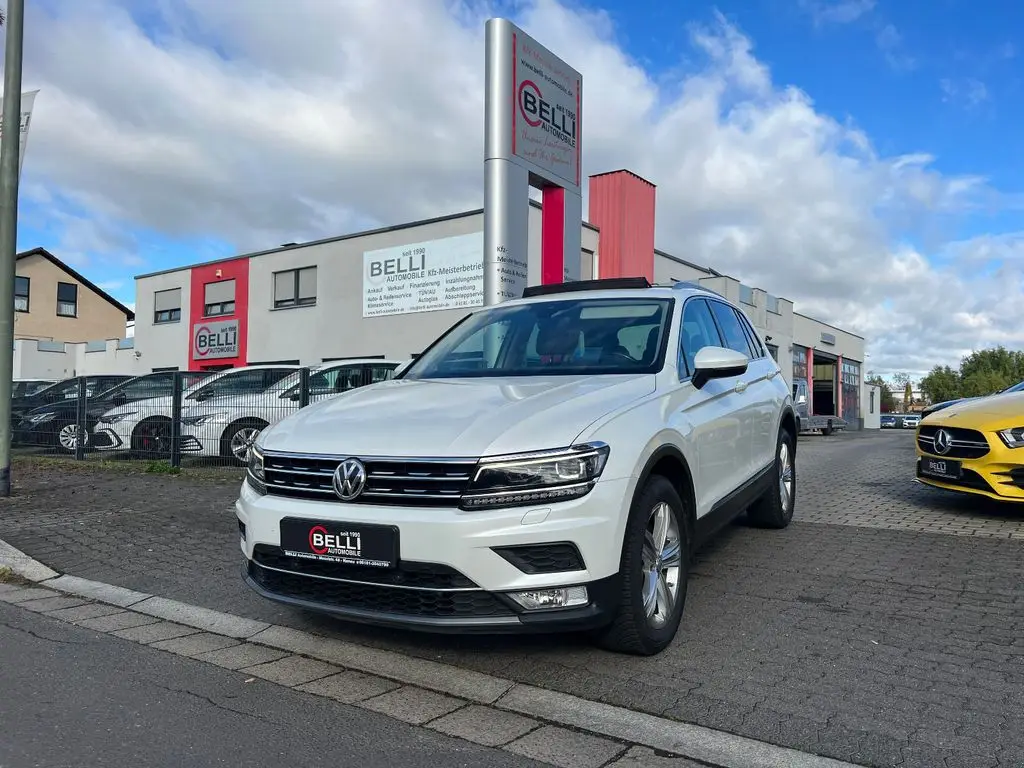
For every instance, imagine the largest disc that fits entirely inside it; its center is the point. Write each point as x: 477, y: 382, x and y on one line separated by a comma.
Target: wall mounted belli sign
x: 215, y: 341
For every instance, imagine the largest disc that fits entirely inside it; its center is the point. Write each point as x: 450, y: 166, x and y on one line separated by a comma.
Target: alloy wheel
x: 785, y: 475
x: 242, y: 442
x: 68, y: 437
x: 661, y: 562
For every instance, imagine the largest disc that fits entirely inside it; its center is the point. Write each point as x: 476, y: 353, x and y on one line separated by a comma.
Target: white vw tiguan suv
x: 549, y: 463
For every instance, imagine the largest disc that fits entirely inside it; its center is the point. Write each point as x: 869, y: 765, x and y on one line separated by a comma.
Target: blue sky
x: 940, y: 78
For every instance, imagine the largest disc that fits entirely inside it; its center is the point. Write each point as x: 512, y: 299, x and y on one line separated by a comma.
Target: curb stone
x: 574, y: 724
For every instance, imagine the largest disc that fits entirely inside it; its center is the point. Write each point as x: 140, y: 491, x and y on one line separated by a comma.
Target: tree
x: 888, y: 402
x: 942, y: 384
x: 908, y: 395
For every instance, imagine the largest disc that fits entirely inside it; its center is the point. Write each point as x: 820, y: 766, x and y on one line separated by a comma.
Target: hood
x: 234, y: 402
x: 149, y: 404
x: 455, y: 417
x: 984, y: 413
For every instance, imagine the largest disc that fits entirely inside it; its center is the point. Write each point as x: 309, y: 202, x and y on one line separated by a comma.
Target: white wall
x: 59, y: 360
x: 165, y: 345
x: 667, y: 270
x: 871, y: 406
x: 807, y: 333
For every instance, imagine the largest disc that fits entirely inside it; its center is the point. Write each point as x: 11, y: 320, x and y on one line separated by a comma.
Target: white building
x: 350, y: 296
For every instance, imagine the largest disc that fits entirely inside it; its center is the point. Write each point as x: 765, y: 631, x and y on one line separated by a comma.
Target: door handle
x: 741, y: 386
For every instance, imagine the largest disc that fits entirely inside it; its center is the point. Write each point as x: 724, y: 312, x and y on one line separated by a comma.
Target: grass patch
x: 7, y: 576
x: 125, y: 466
x: 161, y: 468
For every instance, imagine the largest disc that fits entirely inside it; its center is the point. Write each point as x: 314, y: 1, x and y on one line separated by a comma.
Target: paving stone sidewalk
x: 857, y: 636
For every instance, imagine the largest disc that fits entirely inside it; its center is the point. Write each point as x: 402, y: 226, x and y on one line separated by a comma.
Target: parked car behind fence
x: 160, y: 416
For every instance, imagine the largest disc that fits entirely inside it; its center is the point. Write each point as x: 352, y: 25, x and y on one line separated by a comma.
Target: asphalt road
x: 71, y: 697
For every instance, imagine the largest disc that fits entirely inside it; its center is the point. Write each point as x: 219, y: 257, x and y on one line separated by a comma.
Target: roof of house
x: 78, y: 277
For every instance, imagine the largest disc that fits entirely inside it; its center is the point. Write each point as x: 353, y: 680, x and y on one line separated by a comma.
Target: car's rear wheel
x: 654, y: 573
x: 775, y: 508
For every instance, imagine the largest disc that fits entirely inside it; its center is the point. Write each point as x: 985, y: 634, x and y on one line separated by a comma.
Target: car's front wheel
x: 653, y: 573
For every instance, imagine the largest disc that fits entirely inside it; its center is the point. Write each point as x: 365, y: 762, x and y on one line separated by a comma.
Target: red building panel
x: 222, y: 331
x: 552, y: 237
x: 622, y: 207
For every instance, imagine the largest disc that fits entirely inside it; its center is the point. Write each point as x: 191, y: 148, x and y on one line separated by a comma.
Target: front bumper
x: 195, y: 442
x: 449, y: 577
x: 991, y: 476
x: 113, y: 437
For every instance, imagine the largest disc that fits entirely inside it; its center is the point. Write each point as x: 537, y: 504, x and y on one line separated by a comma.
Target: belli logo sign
x: 214, y: 341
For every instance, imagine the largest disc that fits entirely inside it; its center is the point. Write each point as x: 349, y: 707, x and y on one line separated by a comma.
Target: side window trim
x: 752, y: 338
x: 685, y: 374
x: 721, y: 332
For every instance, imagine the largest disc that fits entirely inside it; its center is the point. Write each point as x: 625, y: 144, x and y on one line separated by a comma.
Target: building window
x: 295, y: 288
x: 774, y: 352
x: 851, y: 390
x: 21, y: 294
x: 799, y: 363
x: 219, y: 298
x: 167, y: 306
x: 67, y: 299
x: 747, y: 294
x: 772, y: 303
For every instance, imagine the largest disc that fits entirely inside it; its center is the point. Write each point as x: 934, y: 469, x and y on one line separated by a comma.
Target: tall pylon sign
x: 534, y: 105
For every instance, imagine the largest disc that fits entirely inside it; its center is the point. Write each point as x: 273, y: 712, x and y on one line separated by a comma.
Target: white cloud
x: 242, y: 122
x: 837, y: 11
x: 968, y: 92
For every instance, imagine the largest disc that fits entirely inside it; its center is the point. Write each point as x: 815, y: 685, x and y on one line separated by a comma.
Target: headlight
x: 536, y: 478
x: 254, y: 474
x: 41, y: 418
x: 1014, y: 438
x: 113, y: 418
x: 202, y: 418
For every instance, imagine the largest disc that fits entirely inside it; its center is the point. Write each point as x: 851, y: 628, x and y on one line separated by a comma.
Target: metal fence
x: 182, y: 419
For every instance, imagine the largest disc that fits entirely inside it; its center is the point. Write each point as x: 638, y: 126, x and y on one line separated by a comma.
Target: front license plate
x: 941, y: 469
x: 372, y: 546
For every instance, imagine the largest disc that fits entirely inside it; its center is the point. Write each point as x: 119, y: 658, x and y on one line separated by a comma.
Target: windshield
x: 552, y: 338
x: 1018, y: 387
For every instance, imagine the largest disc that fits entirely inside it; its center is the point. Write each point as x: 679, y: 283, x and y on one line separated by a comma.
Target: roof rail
x: 603, y: 284
x: 689, y: 284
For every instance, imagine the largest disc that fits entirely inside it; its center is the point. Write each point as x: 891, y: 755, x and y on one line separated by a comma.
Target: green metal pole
x: 9, y: 173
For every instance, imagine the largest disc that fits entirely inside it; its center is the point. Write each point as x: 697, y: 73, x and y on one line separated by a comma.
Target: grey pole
x: 9, y: 149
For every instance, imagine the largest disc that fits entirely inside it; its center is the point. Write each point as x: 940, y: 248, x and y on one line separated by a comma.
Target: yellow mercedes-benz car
x: 975, y: 447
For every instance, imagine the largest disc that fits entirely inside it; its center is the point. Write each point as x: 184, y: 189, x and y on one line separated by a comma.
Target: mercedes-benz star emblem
x: 943, y: 442
x: 349, y: 479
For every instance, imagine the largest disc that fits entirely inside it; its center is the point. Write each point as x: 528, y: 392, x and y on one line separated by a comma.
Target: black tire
x: 631, y: 631
x: 770, y: 511
x: 151, y: 439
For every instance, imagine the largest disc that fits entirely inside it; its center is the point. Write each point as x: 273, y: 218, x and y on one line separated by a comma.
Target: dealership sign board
x: 424, y: 277
x: 532, y: 138
x: 215, y: 341
x: 28, y: 100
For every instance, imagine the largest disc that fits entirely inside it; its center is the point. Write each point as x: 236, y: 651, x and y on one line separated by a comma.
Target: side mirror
x: 717, y: 363
x: 801, y: 399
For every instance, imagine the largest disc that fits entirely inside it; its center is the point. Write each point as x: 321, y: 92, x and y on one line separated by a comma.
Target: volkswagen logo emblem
x: 349, y: 479
x: 943, y: 442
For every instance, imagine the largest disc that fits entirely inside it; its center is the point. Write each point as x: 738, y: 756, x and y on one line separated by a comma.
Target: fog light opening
x: 543, y: 599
